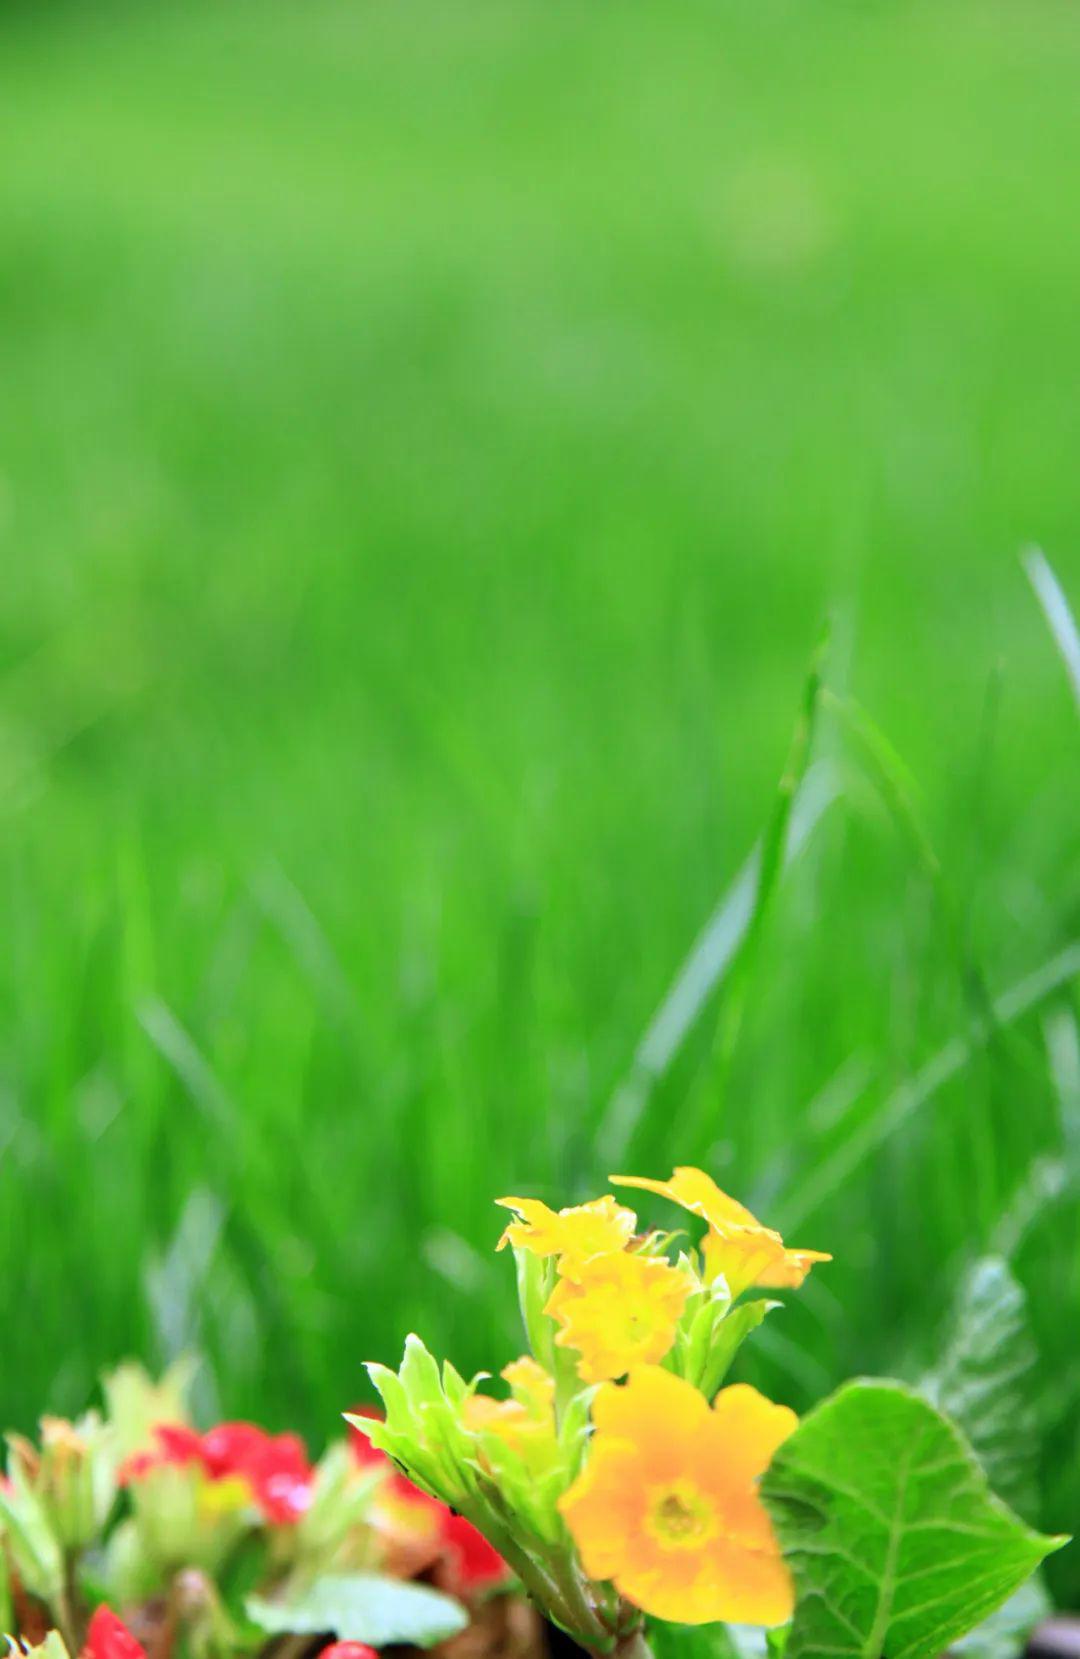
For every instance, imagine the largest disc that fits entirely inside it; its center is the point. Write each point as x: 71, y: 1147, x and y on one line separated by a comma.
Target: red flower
x: 108, y: 1637
x: 476, y: 1563
x: 348, y: 1650
x: 275, y: 1466
x: 177, y: 1445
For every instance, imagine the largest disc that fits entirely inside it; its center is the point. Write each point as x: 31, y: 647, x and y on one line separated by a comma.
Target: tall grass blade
x: 1063, y: 1048
x: 1060, y: 620
x: 901, y: 1104
x: 194, y: 1071
x: 712, y: 954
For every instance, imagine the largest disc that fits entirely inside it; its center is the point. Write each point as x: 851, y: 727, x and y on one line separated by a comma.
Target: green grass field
x: 433, y: 438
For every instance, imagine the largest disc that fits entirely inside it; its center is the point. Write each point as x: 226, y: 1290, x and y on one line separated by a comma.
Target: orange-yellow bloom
x: 524, y: 1420
x: 620, y: 1310
x: 756, y: 1256
x: 575, y: 1235
x: 737, y: 1245
x: 531, y: 1386
x: 697, y: 1192
x: 667, y: 1505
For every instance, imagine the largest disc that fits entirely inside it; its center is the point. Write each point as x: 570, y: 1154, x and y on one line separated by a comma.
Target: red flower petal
x: 275, y: 1467
x: 108, y: 1637
x: 476, y: 1562
x: 177, y: 1445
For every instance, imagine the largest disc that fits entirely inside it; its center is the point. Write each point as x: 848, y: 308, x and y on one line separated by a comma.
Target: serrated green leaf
x: 896, y: 1544
x: 362, y: 1607
x: 984, y: 1381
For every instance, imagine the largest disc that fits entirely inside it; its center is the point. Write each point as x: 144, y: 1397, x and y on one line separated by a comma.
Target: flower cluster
x: 270, y: 1471
x: 108, y: 1637
x: 217, y: 1541
x: 616, y: 1475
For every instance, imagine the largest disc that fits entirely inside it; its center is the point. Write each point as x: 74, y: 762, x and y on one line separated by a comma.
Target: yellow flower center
x: 680, y: 1516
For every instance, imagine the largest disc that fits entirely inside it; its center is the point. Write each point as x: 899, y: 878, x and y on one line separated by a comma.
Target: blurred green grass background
x: 432, y: 439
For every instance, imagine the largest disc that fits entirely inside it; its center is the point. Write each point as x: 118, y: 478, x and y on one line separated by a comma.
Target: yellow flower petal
x: 531, y: 1386
x: 737, y: 1245
x: 575, y: 1234
x: 617, y: 1311
x: 694, y: 1191
x: 667, y: 1505
x: 525, y: 1422
x: 756, y: 1256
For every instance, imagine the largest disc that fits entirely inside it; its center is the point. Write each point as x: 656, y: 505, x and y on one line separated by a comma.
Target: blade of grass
x: 177, y: 1047
x: 1063, y: 1050
x: 1055, y: 607
x: 899, y: 792
x: 707, y: 1105
x: 804, y: 795
x: 901, y: 1104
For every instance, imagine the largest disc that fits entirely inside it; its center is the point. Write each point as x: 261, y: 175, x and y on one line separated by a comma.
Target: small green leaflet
x: 896, y: 1544
x: 362, y: 1607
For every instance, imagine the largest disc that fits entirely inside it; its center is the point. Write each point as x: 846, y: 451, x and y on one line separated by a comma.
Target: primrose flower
x: 527, y: 1419
x: 737, y: 1244
x: 241, y: 1462
x: 108, y: 1637
x: 618, y: 1311
x: 348, y: 1650
x: 532, y: 1385
x: 574, y: 1234
x: 474, y: 1563
x: 526, y: 1422
x: 667, y: 1505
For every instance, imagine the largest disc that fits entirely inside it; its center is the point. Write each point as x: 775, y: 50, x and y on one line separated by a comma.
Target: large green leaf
x: 719, y: 1641
x: 691, y: 1641
x: 984, y: 1381
x: 362, y: 1607
x: 895, y: 1541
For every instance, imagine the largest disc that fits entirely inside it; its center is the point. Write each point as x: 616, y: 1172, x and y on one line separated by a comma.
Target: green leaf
x: 362, y: 1607
x: 727, y: 1336
x: 984, y: 1381
x: 896, y: 1543
x: 691, y: 1641
x: 715, y: 1641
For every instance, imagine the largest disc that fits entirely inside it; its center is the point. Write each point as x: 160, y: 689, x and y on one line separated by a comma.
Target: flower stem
x: 634, y: 1645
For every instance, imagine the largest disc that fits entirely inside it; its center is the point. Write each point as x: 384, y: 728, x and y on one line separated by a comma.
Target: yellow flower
x: 620, y: 1310
x: 667, y: 1505
x: 756, y: 1256
x: 531, y: 1385
x: 527, y: 1417
x: 697, y: 1192
x: 575, y: 1234
x: 737, y: 1245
